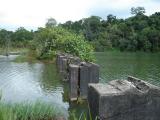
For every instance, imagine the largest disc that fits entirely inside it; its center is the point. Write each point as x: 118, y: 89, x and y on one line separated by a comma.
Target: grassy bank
x: 29, y: 56
x: 27, y: 111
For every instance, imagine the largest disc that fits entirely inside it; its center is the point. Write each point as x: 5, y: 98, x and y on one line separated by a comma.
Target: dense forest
x: 136, y: 33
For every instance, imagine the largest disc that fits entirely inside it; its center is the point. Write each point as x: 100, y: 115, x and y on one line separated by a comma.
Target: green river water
x: 118, y: 65
x: 21, y: 82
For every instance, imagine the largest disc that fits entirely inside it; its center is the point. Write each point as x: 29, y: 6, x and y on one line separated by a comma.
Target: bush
x: 51, y: 40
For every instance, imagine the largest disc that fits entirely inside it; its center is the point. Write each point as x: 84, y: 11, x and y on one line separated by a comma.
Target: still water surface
x: 118, y: 65
x: 21, y: 82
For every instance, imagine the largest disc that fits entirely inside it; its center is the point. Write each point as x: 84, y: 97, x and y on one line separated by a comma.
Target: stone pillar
x: 124, y: 100
x: 74, y: 60
x: 84, y: 80
x: 57, y: 60
x: 89, y: 73
x: 73, y: 81
x: 94, y: 73
x: 61, y: 57
x: 64, y: 69
x: 77, y: 60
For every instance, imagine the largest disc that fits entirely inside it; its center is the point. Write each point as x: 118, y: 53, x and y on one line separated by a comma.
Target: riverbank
x: 22, y: 84
x: 30, y: 111
x: 43, y: 79
x: 13, y: 51
x: 32, y: 57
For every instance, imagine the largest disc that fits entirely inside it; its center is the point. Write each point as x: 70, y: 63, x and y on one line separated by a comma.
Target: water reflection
x: 119, y: 65
x: 30, y: 82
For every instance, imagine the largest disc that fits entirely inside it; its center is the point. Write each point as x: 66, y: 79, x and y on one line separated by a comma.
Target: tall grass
x: 85, y: 115
x: 29, y: 111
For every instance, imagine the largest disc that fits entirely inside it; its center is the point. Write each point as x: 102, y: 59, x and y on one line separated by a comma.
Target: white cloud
x: 121, y: 8
x: 33, y: 13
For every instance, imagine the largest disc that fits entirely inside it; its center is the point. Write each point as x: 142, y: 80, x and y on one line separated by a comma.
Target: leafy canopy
x: 51, y: 40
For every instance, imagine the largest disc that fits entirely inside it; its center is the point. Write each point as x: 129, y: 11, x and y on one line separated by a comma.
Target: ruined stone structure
x: 73, y: 81
x: 131, y: 99
x: 78, y: 73
x: 89, y: 73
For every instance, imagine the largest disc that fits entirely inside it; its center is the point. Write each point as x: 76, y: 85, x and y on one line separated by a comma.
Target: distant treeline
x: 136, y: 33
x: 20, y: 38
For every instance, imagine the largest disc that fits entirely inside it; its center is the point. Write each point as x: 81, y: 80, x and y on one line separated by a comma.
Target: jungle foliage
x: 20, y: 38
x: 136, y: 33
x: 50, y: 40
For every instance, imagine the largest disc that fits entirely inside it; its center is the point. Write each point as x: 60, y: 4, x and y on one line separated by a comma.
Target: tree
x: 21, y: 34
x: 139, y: 32
x: 51, y: 22
x: 21, y: 37
x: 137, y: 10
x: 92, y: 27
x: 4, y: 36
x: 111, y: 18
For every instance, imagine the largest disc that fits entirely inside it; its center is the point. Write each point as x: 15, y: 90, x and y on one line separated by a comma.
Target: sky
x: 32, y: 14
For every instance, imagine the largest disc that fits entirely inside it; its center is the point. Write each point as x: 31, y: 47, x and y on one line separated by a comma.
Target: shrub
x: 51, y: 40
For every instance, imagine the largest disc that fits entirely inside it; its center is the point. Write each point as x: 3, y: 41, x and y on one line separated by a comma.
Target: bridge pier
x: 131, y: 99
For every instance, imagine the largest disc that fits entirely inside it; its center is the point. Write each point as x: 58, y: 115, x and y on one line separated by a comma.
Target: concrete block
x: 60, y: 63
x: 73, y: 81
x: 74, y: 60
x: 89, y: 73
x: 84, y: 80
x: 57, y: 60
x: 64, y: 69
x: 132, y: 99
x: 94, y: 73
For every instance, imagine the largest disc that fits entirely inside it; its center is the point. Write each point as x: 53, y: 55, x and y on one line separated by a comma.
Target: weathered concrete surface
x: 57, y: 59
x: 73, y: 81
x: 64, y: 69
x: 84, y: 80
x: 131, y: 99
x: 89, y: 73
x: 94, y: 73
x: 74, y: 60
x: 61, y: 57
x: 63, y: 61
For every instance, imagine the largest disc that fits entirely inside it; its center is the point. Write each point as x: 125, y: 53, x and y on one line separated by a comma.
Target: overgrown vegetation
x: 28, y: 56
x: 50, y: 40
x: 136, y: 33
x: 27, y: 111
x: 18, y: 39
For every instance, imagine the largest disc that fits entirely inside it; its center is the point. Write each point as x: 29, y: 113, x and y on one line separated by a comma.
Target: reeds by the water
x: 29, y: 111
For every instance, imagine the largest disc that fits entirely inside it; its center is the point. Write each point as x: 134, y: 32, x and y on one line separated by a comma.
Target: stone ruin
x: 78, y: 73
x: 131, y: 99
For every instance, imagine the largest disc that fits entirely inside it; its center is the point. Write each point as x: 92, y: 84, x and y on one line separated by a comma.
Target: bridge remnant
x: 131, y: 99
x: 78, y: 73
